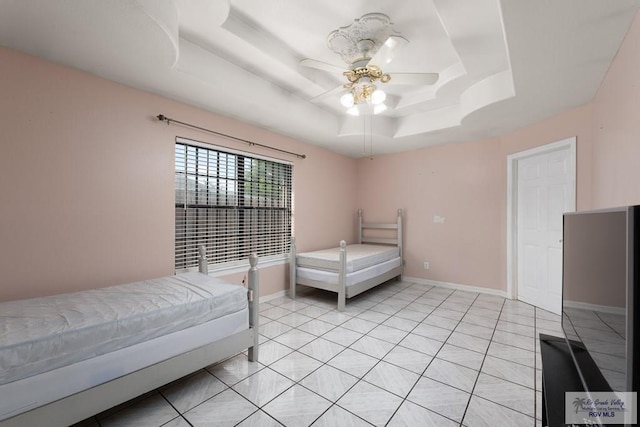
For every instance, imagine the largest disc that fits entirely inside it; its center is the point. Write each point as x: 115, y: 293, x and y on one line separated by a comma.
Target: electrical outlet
x: 426, y: 265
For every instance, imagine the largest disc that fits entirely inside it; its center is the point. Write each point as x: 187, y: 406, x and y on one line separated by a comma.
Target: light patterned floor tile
x: 297, y: 407
x: 263, y: 386
x: 401, y: 323
x: 293, y: 305
x: 296, y: 366
x: 461, y: 356
x: 336, y: 416
x: 342, y: 336
x: 410, y: 414
x: 507, y: 370
x: 321, y: 349
x: 475, y: 330
x: 441, y: 398
x: 274, y: 313
x: 235, y: 369
x: 447, y: 313
x: 416, y: 316
x: 359, y: 325
x: 490, y: 304
x: 547, y: 315
x: 353, y: 362
x: 224, y: 409
x: 509, y: 338
x: 316, y: 327
x: 313, y: 311
x: 432, y: 332
x: 484, y: 312
x: 469, y: 342
x: 454, y: 375
x: 373, y: 316
x: 454, y: 305
x: 506, y: 393
x: 515, y: 328
x: 412, y: 360
x: 329, y: 382
x: 295, y: 338
x: 387, y: 309
x: 388, y: 334
x: 513, y: 354
x: 479, y: 320
x: 150, y: 411
x: 518, y: 318
x: 176, y: 422
x: 483, y: 413
x: 441, y: 322
x: 191, y: 391
x: 392, y: 378
x: 422, y: 344
x: 373, y: 347
x: 272, y: 351
x: 370, y: 403
x: 259, y: 419
x: 294, y: 319
x: 273, y: 329
x: 335, y: 317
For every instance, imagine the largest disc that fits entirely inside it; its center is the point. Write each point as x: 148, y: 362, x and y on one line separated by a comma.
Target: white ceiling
x: 502, y: 64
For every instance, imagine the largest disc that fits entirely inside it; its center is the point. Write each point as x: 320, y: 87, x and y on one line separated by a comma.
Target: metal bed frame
x: 340, y: 288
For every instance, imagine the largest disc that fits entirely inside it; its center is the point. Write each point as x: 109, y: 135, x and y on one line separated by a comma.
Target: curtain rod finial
x: 161, y: 117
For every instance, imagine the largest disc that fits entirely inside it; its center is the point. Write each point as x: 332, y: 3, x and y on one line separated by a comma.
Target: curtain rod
x: 164, y: 118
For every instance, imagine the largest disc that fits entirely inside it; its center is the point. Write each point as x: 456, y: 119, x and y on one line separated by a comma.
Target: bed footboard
x: 292, y: 269
x: 254, y: 309
x: 354, y: 289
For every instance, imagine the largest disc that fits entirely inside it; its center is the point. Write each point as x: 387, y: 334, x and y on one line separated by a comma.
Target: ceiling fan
x: 366, y: 45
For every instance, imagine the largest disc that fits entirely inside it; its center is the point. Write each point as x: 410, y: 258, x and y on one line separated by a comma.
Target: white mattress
x: 359, y: 257
x: 353, y: 278
x: 37, y: 390
x: 40, y: 334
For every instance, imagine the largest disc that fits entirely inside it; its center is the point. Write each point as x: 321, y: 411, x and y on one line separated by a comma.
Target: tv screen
x: 598, y: 293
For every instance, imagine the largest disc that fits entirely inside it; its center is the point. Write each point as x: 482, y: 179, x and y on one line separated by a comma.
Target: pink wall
x: 455, y: 181
x: 86, y: 178
x: 616, y: 128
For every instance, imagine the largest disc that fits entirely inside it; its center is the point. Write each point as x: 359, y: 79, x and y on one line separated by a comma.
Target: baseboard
x: 594, y: 307
x: 456, y: 286
x: 270, y: 297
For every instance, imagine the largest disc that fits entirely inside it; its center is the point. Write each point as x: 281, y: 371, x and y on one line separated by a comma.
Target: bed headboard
x: 381, y: 226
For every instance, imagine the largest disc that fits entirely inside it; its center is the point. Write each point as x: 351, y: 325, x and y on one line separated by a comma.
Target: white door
x: 545, y: 189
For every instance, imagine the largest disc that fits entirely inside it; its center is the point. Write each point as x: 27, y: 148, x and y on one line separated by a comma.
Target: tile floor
x: 401, y: 354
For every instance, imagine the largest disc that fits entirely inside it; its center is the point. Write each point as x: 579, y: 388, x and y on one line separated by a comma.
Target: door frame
x: 512, y: 201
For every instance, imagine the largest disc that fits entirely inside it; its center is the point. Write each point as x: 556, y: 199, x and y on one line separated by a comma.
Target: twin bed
x: 67, y: 357
x: 350, y: 270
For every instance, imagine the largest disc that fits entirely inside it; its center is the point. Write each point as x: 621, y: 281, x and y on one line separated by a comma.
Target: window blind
x: 233, y: 204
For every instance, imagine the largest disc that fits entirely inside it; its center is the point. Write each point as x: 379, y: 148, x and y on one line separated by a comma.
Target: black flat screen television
x: 600, y: 292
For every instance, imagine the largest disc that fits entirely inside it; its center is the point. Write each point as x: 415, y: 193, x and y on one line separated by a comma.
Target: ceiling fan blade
x: 387, y: 51
x: 327, y: 94
x: 417, y: 79
x: 318, y: 65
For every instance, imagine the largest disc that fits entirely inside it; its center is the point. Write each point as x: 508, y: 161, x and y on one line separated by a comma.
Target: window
x: 232, y: 203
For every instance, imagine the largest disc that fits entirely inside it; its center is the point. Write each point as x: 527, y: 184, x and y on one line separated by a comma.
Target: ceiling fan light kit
x: 365, y: 45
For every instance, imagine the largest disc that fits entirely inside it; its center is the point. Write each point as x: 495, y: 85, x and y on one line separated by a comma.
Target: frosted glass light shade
x: 347, y: 100
x: 378, y: 96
